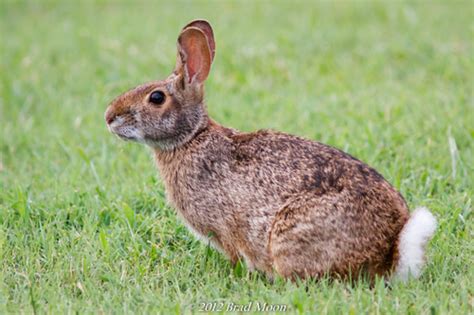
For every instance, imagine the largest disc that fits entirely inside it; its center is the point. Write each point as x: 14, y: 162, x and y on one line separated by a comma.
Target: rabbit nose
x: 110, y: 117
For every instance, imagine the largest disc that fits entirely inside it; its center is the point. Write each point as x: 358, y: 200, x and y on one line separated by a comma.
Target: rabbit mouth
x: 126, y: 138
x: 129, y: 133
x: 124, y: 131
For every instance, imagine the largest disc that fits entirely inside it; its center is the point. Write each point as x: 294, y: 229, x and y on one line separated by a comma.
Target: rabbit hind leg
x: 311, y: 237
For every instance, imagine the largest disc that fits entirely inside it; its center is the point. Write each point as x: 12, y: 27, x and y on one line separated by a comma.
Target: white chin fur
x: 413, y: 239
x: 133, y: 133
x: 128, y: 132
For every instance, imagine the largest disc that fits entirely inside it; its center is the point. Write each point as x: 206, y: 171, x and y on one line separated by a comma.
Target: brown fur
x: 280, y: 202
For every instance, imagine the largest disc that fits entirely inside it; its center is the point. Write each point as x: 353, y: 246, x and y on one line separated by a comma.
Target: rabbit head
x: 165, y: 114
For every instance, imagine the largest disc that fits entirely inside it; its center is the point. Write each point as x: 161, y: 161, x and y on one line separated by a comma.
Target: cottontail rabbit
x: 281, y: 203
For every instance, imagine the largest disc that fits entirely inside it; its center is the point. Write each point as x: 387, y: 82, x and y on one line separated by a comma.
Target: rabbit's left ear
x: 206, y: 28
x: 194, y: 55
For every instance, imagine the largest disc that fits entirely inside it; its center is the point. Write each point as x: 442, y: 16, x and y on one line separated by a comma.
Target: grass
x: 84, y: 223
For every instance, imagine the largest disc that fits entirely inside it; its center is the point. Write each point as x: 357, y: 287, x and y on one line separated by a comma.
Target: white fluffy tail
x: 415, y: 234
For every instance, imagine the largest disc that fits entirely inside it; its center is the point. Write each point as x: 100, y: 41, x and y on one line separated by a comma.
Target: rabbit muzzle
x: 123, y: 126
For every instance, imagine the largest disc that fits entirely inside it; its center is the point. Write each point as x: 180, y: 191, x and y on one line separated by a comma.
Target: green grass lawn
x: 84, y: 224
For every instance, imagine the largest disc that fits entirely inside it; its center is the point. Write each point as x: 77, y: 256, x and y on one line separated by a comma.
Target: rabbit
x: 285, y: 205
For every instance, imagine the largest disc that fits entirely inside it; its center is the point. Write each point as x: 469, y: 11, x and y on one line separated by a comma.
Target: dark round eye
x: 157, y: 97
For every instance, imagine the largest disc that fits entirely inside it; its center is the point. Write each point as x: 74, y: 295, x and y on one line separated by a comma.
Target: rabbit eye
x: 157, y: 97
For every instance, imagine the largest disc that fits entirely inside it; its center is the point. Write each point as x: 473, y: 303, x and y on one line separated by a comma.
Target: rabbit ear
x: 194, y: 55
x: 206, y: 28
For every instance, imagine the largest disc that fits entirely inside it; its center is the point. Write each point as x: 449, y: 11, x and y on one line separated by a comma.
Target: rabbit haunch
x: 282, y: 203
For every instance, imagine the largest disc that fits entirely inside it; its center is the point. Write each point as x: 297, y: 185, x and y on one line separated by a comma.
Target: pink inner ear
x: 197, y: 55
x: 193, y: 63
x: 206, y: 28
